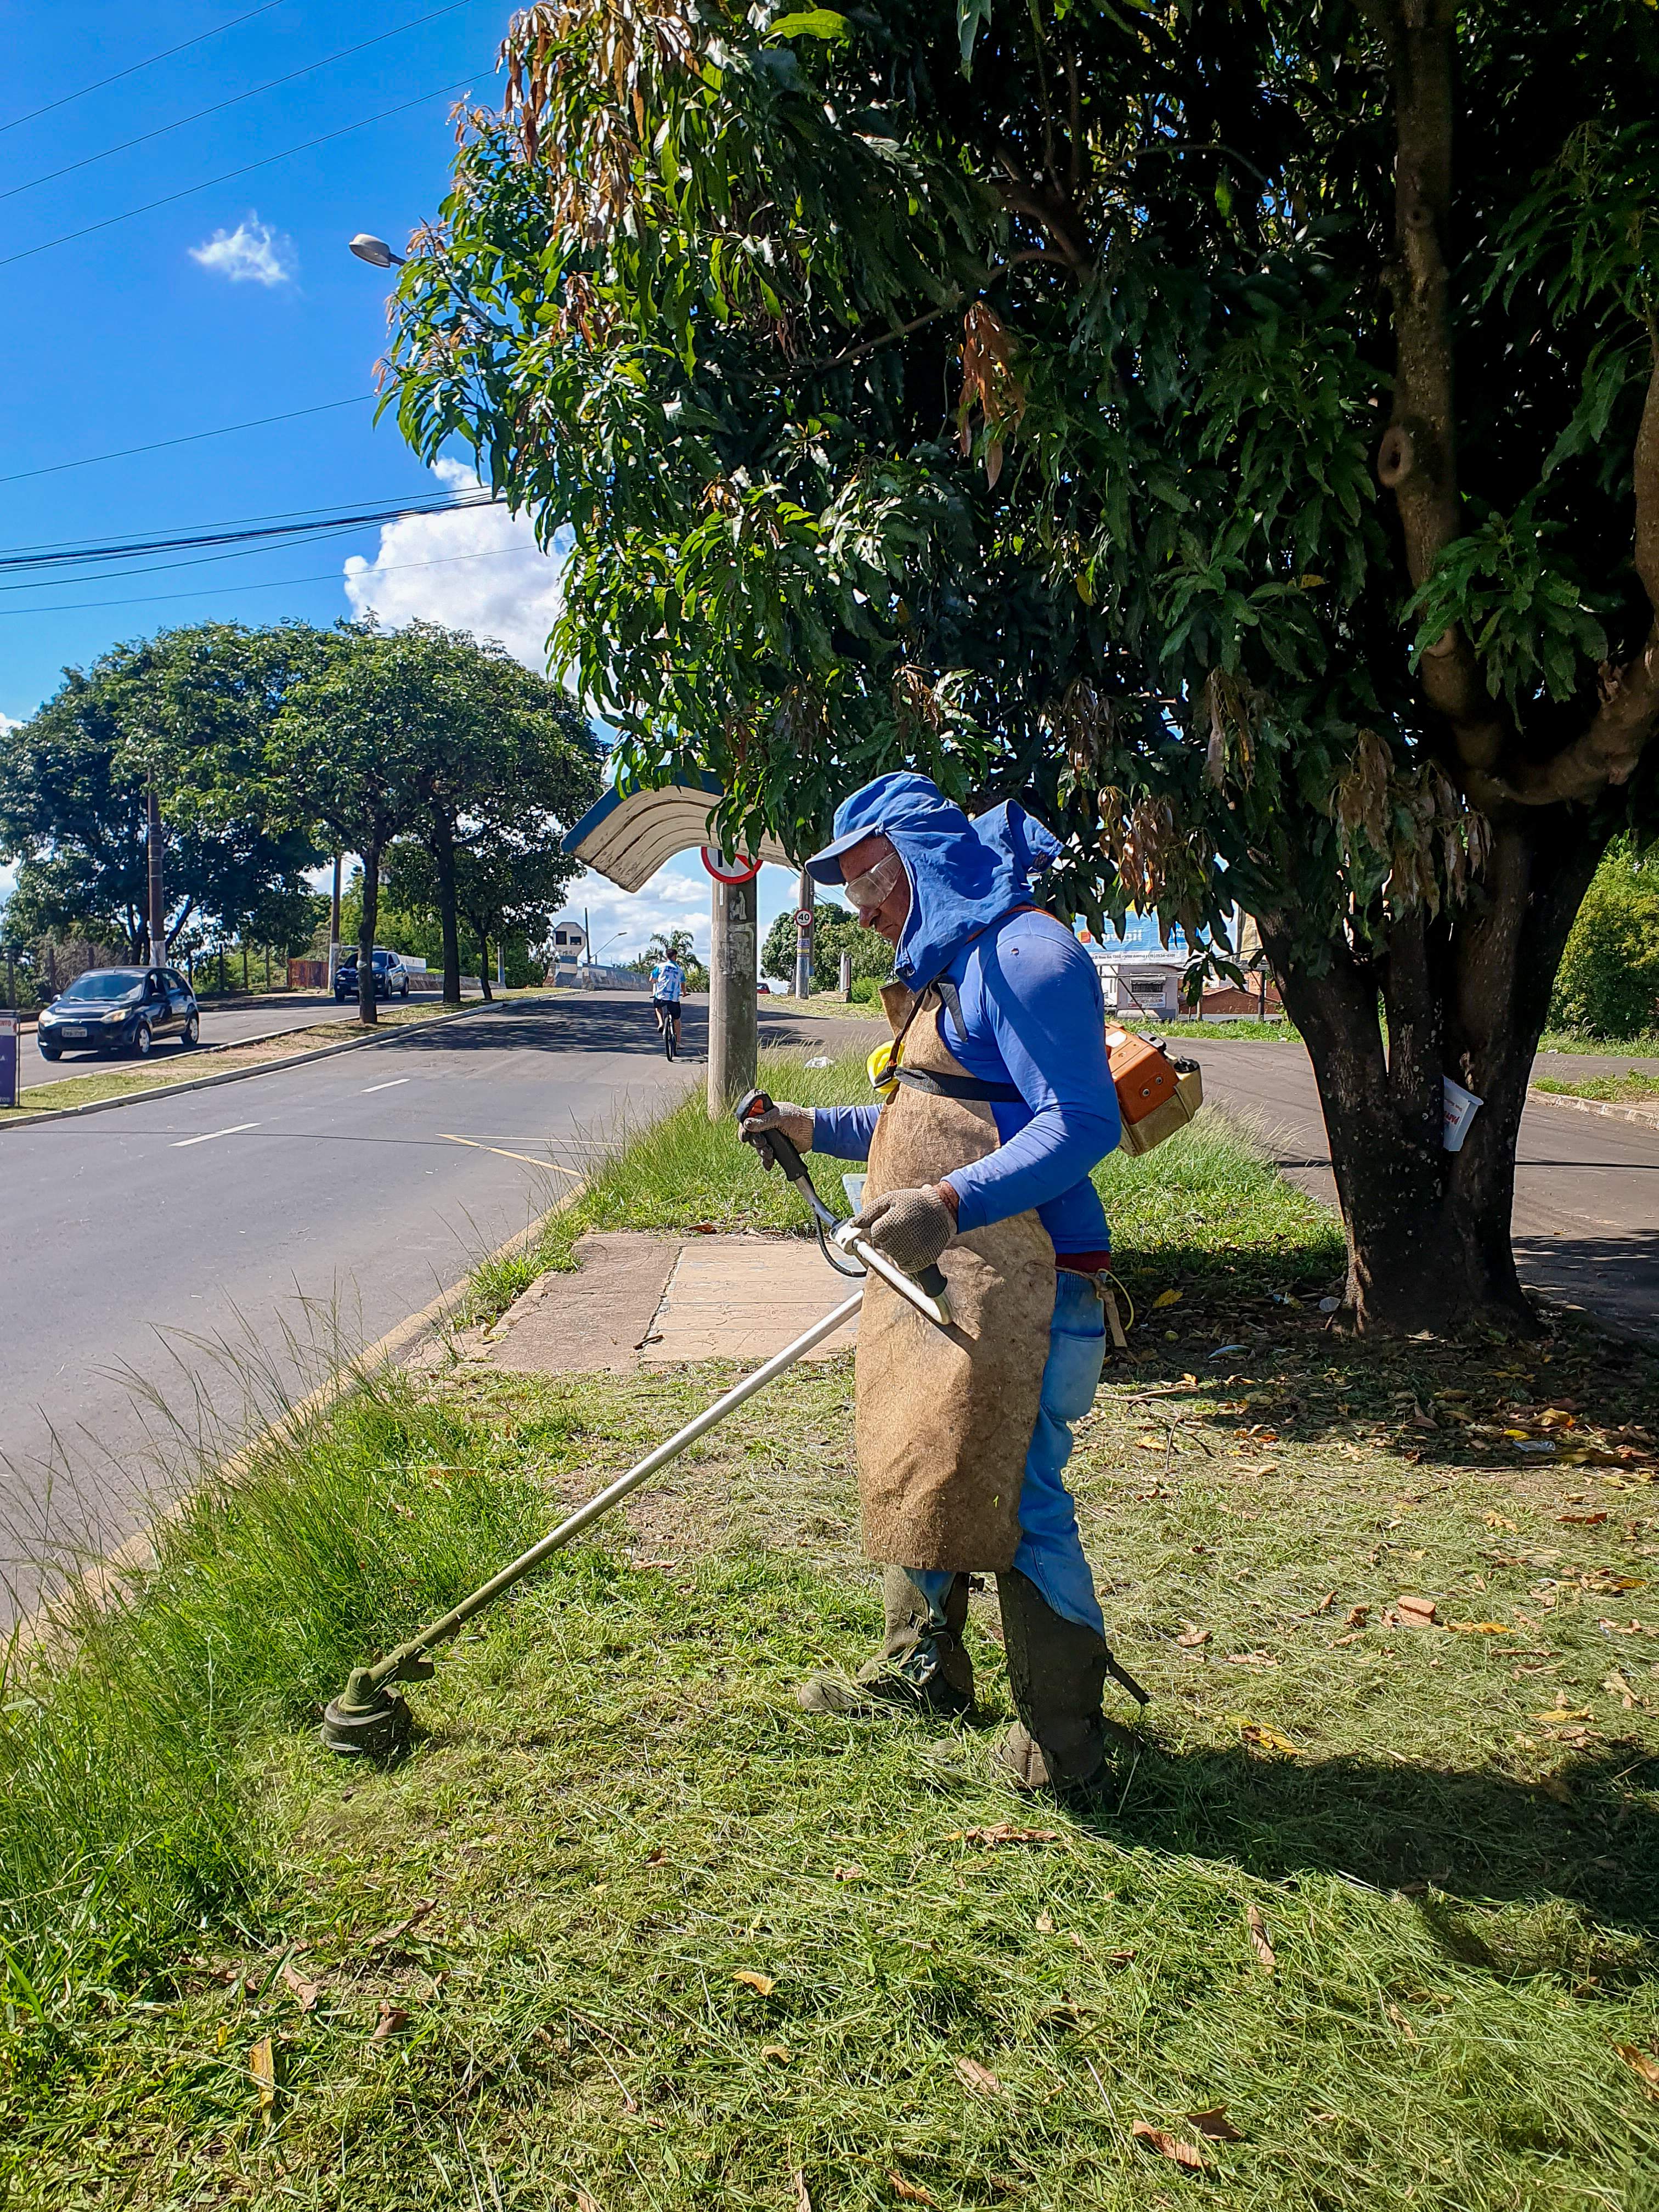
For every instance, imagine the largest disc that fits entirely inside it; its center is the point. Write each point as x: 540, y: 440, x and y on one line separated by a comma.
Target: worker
x: 980, y: 1159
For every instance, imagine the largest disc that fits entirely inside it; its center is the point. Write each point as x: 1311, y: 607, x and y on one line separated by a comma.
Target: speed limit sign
x: 803, y: 917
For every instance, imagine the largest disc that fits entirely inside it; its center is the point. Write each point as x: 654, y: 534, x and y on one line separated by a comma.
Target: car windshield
x: 106, y: 983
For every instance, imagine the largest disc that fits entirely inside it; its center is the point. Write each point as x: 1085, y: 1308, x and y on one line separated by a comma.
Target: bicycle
x: 667, y: 1016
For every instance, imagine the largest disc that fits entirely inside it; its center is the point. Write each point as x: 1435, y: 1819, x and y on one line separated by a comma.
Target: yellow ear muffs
x: 881, y: 1064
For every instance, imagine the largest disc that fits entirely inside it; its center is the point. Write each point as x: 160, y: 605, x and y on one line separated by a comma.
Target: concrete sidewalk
x: 642, y: 1301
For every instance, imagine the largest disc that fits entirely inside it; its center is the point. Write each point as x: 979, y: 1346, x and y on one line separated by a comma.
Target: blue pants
x: 1050, y: 1551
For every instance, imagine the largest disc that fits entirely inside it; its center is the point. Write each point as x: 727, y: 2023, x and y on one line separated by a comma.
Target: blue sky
x: 232, y: 303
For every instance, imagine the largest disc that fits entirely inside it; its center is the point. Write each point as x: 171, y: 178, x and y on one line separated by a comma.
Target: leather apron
x: 945, y: 1417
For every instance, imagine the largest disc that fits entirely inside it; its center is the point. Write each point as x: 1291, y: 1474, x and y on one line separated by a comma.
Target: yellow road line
x: 478, y: 1146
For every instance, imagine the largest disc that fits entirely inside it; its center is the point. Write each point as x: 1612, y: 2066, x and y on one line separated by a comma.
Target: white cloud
x: 252, y: 253
x: 479, y: 570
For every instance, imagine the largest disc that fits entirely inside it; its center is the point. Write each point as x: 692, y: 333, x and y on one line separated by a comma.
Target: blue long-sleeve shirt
x: 1033, y: 1016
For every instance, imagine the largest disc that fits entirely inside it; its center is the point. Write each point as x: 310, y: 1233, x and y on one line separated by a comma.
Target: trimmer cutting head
x: 366, y: 1720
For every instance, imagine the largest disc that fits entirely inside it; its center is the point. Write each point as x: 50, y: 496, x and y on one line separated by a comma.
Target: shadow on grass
x: 1470, y: 1836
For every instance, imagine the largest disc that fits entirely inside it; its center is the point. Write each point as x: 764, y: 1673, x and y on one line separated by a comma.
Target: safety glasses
x: 874, y: 885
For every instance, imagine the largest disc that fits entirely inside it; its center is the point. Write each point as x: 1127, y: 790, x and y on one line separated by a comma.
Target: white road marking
x: 235, y: 1130
x: 479, y: 1147
x: 392, y: 1085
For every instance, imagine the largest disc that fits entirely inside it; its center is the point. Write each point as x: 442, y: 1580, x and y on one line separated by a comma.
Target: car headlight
x: 117, y: 1014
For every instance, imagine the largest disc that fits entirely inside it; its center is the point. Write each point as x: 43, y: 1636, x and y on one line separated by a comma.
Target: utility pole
x: 334, y: 927
x: 158, y: 913
x: 587, y: 941
x: 733, y: 1019
x: 804, y: 937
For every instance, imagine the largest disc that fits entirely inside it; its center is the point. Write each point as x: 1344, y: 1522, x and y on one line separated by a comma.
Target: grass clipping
x: 1370, y: 1912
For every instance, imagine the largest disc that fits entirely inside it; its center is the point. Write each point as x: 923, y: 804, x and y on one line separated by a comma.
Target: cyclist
x: 667, y: 984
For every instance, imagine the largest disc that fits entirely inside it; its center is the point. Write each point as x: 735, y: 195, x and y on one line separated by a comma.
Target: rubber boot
x: 1057, y: 1671
x: 918, y: 1665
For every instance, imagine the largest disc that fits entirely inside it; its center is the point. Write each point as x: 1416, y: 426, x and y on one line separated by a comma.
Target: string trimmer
x: 370, y: 1717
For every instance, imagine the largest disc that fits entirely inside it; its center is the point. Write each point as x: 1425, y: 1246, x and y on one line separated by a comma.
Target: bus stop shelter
x: 630, y: 833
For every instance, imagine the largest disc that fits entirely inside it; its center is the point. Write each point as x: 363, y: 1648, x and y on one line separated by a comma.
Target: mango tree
x: 1230, y: 427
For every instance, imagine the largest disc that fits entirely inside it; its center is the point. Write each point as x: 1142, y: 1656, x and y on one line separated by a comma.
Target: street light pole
x: 334, y: 925
x: 157, y: 916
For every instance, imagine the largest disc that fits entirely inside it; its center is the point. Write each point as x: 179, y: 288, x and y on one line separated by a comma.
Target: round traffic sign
x: 738, y: 870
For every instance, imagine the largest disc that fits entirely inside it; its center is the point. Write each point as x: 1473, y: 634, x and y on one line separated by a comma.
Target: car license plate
x: 68, y: 1031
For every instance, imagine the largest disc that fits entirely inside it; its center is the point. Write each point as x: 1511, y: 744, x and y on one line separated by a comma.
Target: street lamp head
x: 375, y: 252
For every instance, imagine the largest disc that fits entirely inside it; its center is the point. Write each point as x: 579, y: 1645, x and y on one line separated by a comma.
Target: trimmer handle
x: 773, y: 1145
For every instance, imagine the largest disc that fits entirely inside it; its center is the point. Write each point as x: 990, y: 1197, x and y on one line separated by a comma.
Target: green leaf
x: 810, y: 23
x: 972, y: 15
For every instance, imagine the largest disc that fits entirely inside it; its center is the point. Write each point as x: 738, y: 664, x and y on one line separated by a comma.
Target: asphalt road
x: 229, y: 1024
x: 1586, y: 1188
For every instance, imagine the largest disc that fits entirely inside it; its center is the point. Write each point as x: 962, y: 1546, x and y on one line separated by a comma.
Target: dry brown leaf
x: 304, y: 1993
x: 1215, y: 2124
x: 1195, y: 1637
x: 399, y: 1928
x: 803, y: 2201
x: 910, y: 2192
x: 392, y: 2017
x: 262, y: 2065
x: 1581, y: 1520
x: 777, y: 2052
x: 1004, y: 1833
x: 1186, y: 2156
x: 586, y: 2203
x: 1262, y: 1947
x: 850, y: 1873
x: 1045, y: 1923
x: 1359, y: 1615
x: 1645, y: 2066
x: 1268, y: 1739
x: 979, y: 2079
x: 1480, y: 1628
x: 1325, y: 1602
x: 762, y: 1984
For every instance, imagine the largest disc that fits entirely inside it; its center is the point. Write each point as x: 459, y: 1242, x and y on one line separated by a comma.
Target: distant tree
x: 678, y: 945
x: 834, y: 932
x: 194, y: 709
x: 1607, y: 984
x: 506, y: 886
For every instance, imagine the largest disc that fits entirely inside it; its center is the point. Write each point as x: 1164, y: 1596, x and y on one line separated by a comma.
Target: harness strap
x: 958, y: 1087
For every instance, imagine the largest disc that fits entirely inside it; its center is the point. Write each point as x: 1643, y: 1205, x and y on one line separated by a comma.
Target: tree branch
x: 1418, y: 459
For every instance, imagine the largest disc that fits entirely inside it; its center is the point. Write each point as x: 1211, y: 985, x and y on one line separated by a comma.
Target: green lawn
x: 627, y: 1928
x: 1633, y: 1088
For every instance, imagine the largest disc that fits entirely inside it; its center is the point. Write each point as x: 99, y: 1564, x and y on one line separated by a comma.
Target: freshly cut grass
x: 1643, y: 1046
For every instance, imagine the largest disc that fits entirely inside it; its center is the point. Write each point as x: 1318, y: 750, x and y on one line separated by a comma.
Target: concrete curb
x: 102, y: 1582
x: 1640, y: 1116
x: 245, y: 1074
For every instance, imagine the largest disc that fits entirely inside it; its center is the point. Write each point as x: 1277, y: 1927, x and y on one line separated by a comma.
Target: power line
x: 52, y: 105
x: 126, y: 453
x: 282, y: 584
x: 320, y: 520
x: 235, y: 101
x: 303, y: 534
x: 127, y: 541
x: 247, y: 169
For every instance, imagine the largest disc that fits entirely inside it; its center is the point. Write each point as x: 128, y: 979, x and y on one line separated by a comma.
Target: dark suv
x: 110, y: 1010
x: 390, y: 976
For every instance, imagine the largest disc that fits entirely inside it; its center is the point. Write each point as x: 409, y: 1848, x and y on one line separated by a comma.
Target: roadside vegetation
x: 1369, y: 1910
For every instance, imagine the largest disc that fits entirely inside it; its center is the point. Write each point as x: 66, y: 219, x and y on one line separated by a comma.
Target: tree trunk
x: 483, y: 966
x: 442, y: 848
x: 367, y: 1008
x: 1465, y: 996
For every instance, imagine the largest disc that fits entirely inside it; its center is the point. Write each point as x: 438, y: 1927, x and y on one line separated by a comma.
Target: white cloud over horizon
x: 479, y: 569
x: 252, y: 253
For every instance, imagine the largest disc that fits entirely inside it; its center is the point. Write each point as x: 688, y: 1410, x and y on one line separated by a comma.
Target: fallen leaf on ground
x: 803, y: 2201
x: 399, y: 1928
x: 1262, y: 1947
x: 1166, y: 1298
x: 1003, y: 1834
x: 1194, y: 1637
x: 1617, y: 1687
x: 1324, y: 1604
x: 305, y: 1993
x: 762, y: 1984
x: 1268, y: 1739
x: 1480, y: 1628
x: 1150, y: 1443
x: 910, y: 2192
x: 1644, y: 2063
x: 262, y: 2065
x: 1185, y: 2154
x: 392, y: 2017
x: 1359, y: 1615
x: 1415, y: 1612
x: 1251, y: 1659
x: 586, y: 2203
x: 1045, y: 1923
x: 850, y: 1873
x: 1497, y: 1521
x: 1563, y: 1713
x: 1215, y: 2124
x: 979, y: 2079
x: 777, y: 2052
x: 1352, y: 1637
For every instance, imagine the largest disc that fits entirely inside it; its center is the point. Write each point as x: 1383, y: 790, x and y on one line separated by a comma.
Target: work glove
x: 795, y: 1122
x: 910, y: 1228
